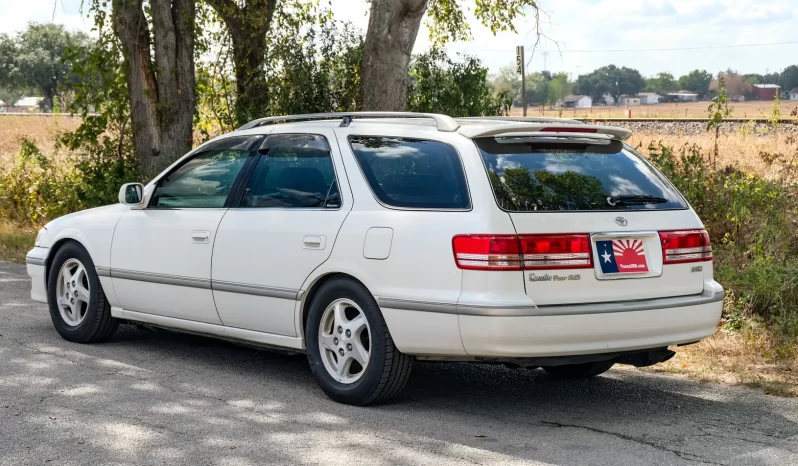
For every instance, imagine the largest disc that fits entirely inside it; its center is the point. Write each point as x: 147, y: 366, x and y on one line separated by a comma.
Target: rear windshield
x: 539, y: 176
x: 412, y: 173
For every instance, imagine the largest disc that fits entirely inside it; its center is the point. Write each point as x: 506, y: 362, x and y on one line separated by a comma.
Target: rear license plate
x: 619, y: 256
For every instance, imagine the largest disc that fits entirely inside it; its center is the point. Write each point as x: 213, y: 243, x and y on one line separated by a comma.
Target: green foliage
x: 37, y: 59
x: 439, y: 84
x: 662, y: 84
x: 558, y: 88
x: 696, y: 81
x: 610, y: 80
x: 447, y: 19
x: 788, y: 78
x: 754, y: 237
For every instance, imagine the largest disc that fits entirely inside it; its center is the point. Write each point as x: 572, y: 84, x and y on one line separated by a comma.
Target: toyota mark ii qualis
x: 373, y: 240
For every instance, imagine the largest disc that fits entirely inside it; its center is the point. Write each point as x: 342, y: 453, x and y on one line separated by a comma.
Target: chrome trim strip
x: 423, y: 306
x: 30, y: 260
x: 161, y: 279
x: 255, y: 290
x: 103, y: 271
x: 707, y: 297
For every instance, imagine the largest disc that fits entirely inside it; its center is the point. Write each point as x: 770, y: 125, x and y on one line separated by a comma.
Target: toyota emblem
x: 621, y: 221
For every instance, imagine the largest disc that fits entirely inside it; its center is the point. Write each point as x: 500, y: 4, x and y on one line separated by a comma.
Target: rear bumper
x: 576, y: 330
x: 36, y: 261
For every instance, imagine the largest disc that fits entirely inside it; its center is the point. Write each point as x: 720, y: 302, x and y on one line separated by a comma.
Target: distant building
x: 793, y: 95
x: 577, y: 101
x: 629, y: 100
x: 4, y: 106
x: 608, y: 99
x: 27, y: 104
x: 649, y: 98
x: 682, y: 96
x: 766, y: 91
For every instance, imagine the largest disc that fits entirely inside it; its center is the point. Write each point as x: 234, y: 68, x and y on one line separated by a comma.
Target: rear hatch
x: 593, y: 219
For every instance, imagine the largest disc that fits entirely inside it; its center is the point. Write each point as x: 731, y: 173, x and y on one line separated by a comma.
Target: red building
x: 766, y: 91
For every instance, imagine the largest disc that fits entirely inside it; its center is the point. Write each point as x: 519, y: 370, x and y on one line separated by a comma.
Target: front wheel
x: 580, y: 371
x: 350, y: 350
x: 78, y: 307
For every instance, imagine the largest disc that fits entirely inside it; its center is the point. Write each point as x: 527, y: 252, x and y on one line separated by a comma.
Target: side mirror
x: 131, y: 194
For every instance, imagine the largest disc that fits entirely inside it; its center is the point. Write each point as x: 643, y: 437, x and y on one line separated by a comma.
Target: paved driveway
x: 163, y: 398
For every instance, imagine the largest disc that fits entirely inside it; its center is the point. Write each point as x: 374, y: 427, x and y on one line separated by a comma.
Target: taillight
x: 484, y: 252
x: 685, y: 246
x: 524, y: 252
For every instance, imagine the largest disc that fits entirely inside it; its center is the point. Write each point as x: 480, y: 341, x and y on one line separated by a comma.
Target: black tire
x: 98, y: 324
x: 388, y: 369
x: 580, y: 371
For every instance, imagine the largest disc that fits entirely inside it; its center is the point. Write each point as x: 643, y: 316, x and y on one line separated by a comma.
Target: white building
x: 629, y: 100
x: 649, y: 98
x: 28, y: 104
x: 683, y: 96
x: 577, y: 101
x: 794, y: 94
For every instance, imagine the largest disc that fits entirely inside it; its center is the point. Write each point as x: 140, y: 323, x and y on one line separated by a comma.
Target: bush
x: 752, y: 224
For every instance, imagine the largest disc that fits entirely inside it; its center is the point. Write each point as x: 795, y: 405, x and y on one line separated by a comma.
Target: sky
x: 580, y: 35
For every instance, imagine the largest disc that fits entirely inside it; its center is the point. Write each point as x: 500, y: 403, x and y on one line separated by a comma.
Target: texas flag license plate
x: 622, y: 256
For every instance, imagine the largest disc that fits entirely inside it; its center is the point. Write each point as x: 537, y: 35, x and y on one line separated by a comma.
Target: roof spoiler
x: 547, y: 130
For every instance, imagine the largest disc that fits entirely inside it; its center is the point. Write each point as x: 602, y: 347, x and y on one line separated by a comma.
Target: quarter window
x: 412, y: 173
x: 205, y: 179
x: 295, y: 171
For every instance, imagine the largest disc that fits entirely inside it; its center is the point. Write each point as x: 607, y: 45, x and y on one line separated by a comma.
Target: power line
x: 665, y: 49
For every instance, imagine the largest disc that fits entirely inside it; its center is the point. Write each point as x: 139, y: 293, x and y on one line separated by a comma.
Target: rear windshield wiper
x: 635, y: 199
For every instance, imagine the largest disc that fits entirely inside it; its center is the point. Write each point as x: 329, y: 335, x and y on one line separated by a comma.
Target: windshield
x: 540, y: 176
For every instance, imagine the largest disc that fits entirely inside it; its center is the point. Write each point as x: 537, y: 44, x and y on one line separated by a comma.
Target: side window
x: 204, y: 180
x: 294, y: 171
x: 412, y: 173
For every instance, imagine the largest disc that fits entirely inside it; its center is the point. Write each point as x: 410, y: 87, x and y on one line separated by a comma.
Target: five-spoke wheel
x: 72, y: 292
x: 345, y: 341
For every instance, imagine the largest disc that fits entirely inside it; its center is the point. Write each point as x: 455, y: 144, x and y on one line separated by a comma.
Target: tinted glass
x: 296, y: 171
x: 537, y: 176
x: 206, y: 179
x: 412, y: 173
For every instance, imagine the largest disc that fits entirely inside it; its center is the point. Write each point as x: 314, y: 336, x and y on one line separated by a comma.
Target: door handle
x: 314, y: 242
x: 200, y: 237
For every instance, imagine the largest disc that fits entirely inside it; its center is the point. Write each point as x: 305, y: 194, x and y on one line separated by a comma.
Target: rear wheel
x: 580, y: 371
x: 350, y: 350
x: 78, y: 307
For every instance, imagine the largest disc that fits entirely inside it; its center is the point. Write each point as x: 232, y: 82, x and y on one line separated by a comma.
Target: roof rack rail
x: 522, y: 119
x: 443, y: 122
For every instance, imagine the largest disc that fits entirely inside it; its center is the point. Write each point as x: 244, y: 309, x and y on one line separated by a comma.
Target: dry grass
x: 753, y: 109
x: 15, y: 242
x: 40, y: 129
x: 748, y: 358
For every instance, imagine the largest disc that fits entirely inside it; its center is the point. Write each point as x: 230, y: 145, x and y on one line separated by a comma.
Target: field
x: 753, y: 109
x: 744, y: 357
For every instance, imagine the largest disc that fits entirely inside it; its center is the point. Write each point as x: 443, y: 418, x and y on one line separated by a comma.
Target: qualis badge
x: 622, y: 256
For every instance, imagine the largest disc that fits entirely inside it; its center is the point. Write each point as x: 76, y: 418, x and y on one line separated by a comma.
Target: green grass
x: 15, y: 242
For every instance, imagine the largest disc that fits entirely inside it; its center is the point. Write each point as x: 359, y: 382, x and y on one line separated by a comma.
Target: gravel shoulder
x: 164, y: 398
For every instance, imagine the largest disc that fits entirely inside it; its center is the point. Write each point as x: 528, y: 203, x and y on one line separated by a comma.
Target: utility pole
x: 521, y: 68
x: 545, y: 58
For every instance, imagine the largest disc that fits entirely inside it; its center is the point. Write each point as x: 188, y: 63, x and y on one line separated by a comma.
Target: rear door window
x: 538, y: 176
x: 412, y: 173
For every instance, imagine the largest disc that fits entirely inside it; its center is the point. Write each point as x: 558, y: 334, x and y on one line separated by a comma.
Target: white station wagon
x: 370, y: 240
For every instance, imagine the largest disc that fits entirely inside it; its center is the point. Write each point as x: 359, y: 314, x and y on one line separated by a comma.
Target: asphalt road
x: 163, y: 398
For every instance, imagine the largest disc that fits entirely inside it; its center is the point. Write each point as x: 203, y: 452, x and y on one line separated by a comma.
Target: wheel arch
x: 55, y: 248
x: 313, y: 289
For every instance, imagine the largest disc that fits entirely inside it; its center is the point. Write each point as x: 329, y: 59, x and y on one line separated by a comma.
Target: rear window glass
x: 539, y: 176
x: 412, y: 173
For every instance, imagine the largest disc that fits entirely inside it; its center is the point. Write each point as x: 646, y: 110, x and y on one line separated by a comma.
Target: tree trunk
x: 248, y: 26
x: 392, y: 32
x: 162, y: 94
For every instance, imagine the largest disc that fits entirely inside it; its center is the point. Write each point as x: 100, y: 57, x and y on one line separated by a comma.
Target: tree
x: 248, y: 24
x: 696, y: 81
x: 788, y: 79
x: 160, y: 77
x: 662, y: 83
x: 610, y: 80
x: 508, y: 81
x: 392, y: 31
x: 735, y: 85
x: 34, y: 60
x: 457, y: 88
x: 558, y: 88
